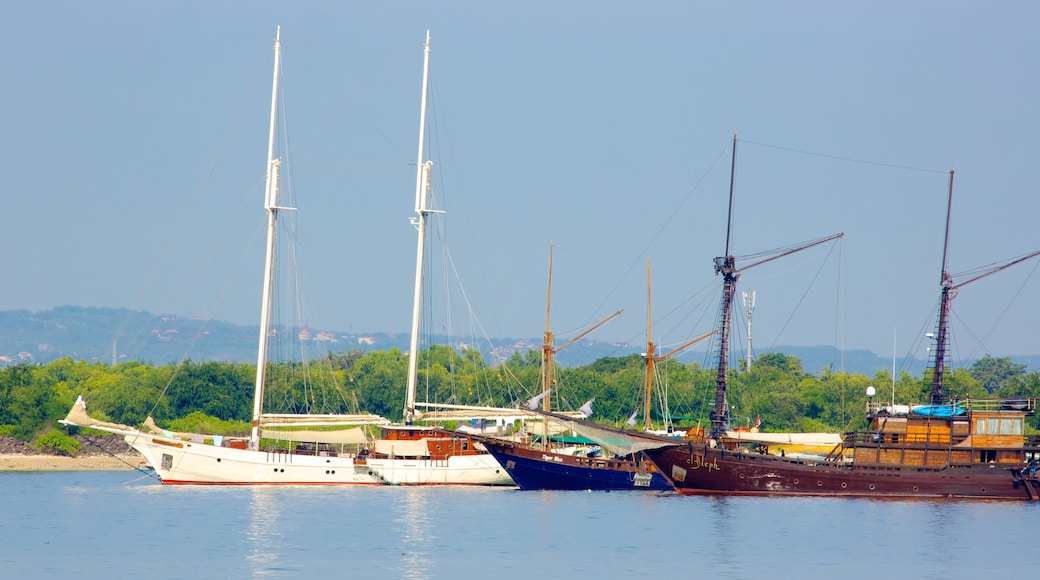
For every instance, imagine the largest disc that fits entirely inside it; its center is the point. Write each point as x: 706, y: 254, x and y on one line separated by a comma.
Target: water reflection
x: 263, y: 533
x: 418, y: 535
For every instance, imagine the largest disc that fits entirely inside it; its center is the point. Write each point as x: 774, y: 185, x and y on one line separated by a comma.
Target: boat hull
x: 699, y: 469
x: 533, y: 468
x: 178, y: 462
x: 477, y: 469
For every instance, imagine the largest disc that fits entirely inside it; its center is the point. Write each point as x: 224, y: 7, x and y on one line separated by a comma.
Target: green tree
x: 994, y: 373
x: 379, y: 378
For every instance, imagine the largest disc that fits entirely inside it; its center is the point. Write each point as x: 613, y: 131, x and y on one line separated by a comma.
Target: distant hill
x: 117, y: 335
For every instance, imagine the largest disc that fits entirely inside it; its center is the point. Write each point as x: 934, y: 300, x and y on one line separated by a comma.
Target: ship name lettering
x: 698, y: 462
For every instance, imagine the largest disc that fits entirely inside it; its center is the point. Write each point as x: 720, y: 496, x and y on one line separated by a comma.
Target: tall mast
x: 726, y: 266
x: 270, y: 195
x: 749, y: 306
x: 547, y: 357
x: 547, y: 343
x: 650, y: 357
x: 946, y: 281
x: 422, y: 177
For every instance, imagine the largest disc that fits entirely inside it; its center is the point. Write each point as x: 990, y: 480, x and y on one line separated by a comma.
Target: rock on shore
x: 96, y: 453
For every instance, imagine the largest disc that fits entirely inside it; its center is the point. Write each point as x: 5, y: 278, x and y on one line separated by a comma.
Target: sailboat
x: 314, y: 458
x: 422, y: 454
x: 944, y: 449
x: 538, y: 465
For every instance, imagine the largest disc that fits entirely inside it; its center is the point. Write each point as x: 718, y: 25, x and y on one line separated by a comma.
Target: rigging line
x: 182, y: 225
x: 705, y: 296
x: 636, y: 260
x: 978, y: 341
x: 137, y: 467
x: 839, y: 318
x: 849, y: 159
x: 990, y: 268
x: 981, y: 342
x: 802, y: 299
x: 908, y: 361
x: 475, y: 323
x: 1007, y: 306
x: 773, y: 252
x: 839, y: 328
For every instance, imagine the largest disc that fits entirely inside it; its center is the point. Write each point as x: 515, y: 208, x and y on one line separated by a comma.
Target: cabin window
x: 980, y: 426
x: 1016, y: 426
x: 465, y: 445
x: 993, y: 427
x: 987, y: 456
x: 1005, y: 426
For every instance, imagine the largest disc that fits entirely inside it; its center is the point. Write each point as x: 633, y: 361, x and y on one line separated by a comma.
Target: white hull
x: 183, y: 462
x: 177, y: 461
x: 480, y: 469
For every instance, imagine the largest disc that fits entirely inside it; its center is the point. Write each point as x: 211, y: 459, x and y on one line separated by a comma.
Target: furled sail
x: 612, y: 439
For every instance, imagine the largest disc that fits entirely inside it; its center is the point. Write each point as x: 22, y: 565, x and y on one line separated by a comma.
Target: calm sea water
x: 87, y: 524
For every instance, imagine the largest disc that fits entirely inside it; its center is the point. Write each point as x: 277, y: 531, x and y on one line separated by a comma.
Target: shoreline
x: 10, y: 462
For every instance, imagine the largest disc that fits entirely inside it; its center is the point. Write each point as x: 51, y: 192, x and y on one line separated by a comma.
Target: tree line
x: 217, y: 397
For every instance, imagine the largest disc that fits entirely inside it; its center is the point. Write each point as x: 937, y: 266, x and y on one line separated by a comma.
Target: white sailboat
x: 411, y: 454
x: 185, y: 458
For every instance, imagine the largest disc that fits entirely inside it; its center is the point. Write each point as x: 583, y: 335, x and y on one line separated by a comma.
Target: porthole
x: 796, y: 482
x: 983, y: 490
x: 872, y: 487
x: 741, y: 476
x: 218, y: 460
x: 917, y: 488
x: 819, y: 484
x: 844, y: 485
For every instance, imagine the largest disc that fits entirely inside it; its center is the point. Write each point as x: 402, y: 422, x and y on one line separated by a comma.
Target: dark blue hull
x: 533, y: 468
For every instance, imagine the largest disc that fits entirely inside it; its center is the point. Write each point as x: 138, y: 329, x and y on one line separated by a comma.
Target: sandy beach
x: 19, y: 462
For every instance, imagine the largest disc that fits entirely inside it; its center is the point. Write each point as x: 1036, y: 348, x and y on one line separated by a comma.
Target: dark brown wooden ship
x: 947, y: 448
x: 978, y: 453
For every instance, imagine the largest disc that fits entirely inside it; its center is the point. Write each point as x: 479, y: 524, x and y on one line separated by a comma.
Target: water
x: 117, y: 525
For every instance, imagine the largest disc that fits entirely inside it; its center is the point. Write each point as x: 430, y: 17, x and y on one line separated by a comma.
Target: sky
x: 136, y: 135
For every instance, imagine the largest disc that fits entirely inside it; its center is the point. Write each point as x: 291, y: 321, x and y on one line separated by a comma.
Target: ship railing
x: 868, y: 438
x: 1023, y: 404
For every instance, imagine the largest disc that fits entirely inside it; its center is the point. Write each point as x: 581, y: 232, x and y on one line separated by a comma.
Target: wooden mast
x: 946, y: 282
x: 547, y: 343
x: 949, y: 292
x: 726, y: 266
x: 650, y: 358
x: 549, y: 350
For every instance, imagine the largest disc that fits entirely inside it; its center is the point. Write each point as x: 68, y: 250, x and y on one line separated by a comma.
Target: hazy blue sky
x: 135, y: 135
